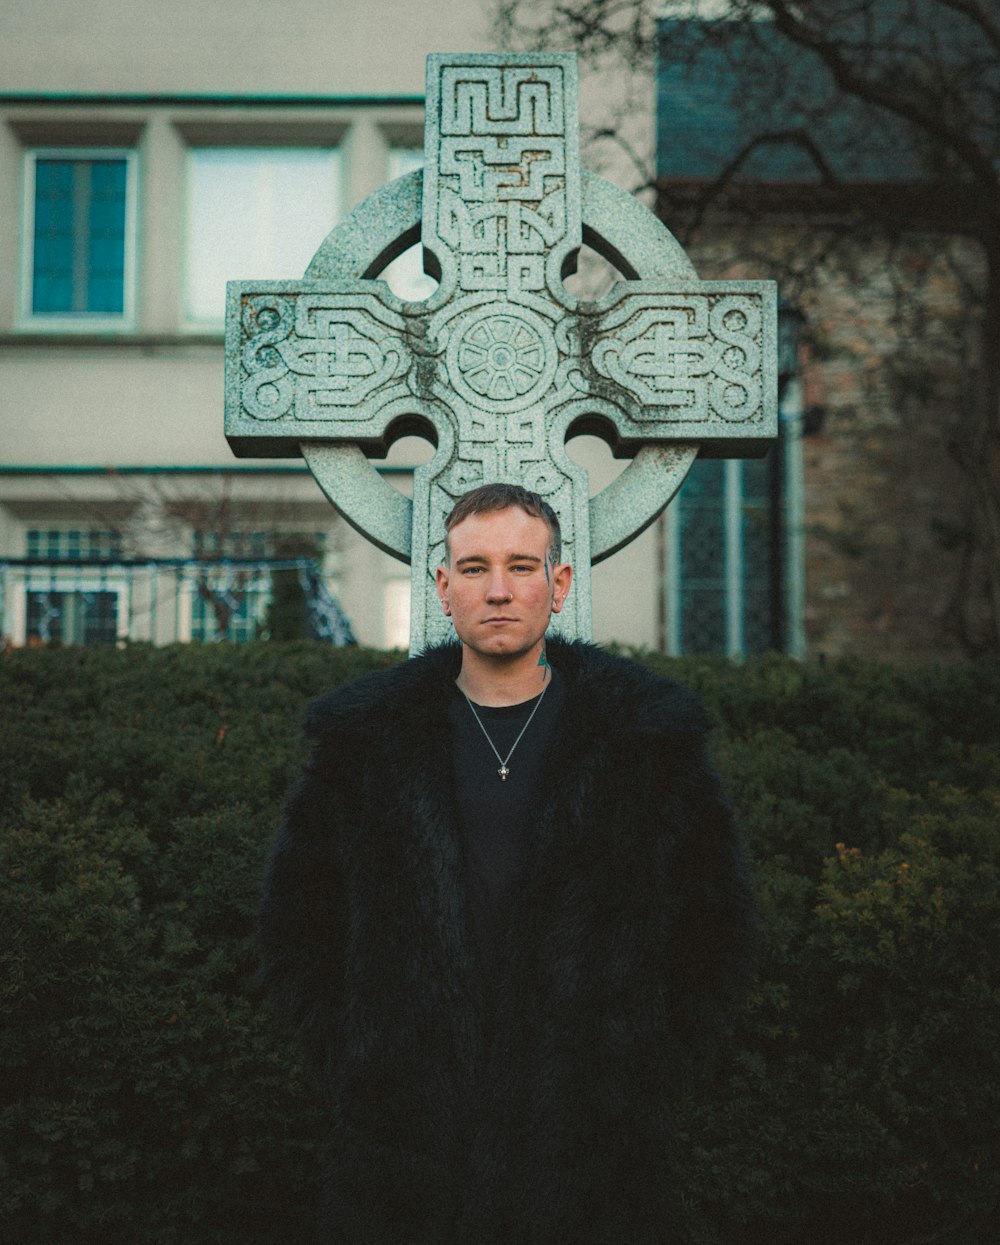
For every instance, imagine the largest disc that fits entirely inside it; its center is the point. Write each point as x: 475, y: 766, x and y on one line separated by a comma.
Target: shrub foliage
x: 147, y: 1098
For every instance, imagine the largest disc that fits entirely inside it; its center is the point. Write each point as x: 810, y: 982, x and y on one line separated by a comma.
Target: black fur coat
x: 630, y: 936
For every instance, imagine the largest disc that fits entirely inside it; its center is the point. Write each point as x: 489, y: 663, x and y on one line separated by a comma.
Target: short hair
x: 487, y: 498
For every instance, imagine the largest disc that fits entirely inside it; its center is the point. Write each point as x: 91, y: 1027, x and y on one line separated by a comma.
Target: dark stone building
x: 856, y: 536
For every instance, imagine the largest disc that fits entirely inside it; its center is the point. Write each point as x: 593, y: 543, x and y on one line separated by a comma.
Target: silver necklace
x: 503, y: 771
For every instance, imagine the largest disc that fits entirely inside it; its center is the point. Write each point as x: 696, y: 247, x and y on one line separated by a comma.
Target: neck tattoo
x: 503, y: 771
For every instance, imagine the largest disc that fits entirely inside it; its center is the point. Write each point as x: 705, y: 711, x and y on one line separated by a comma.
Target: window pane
x: 53, y: 232
x: 107, y: 237
x: 78, y: 257
x: 254, y: 213
x: 726, y: 549
x: 228, y: 607
x: 396, y: 613
x: 80, y: 617
x: 703, y: 559
x: 93, y: 545
x: 99, y: 617
x: 760, y: 627
x: 405, y: 276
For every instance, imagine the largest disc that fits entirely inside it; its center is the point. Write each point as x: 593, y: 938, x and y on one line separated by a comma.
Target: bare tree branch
x: 976, y: 12
x: 791, y: 22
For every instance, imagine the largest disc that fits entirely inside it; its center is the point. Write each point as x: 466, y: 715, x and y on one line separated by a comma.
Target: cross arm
x: 669, y: 361
x: 314, y: 360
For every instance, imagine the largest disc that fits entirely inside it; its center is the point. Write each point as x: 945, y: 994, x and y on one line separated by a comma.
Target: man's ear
x: 562, y: 577
x: 441, y: 582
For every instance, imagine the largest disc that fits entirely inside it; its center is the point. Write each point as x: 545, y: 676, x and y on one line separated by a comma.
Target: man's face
x: 500, y: 584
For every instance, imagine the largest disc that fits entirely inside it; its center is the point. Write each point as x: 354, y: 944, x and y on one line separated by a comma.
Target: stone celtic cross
x: 501, y: 364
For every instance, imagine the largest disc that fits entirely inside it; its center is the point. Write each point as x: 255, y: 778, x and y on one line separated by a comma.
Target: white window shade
x: 253, y: 212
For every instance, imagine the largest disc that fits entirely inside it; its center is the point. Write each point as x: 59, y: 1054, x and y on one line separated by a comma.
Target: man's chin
x: 503, y: 644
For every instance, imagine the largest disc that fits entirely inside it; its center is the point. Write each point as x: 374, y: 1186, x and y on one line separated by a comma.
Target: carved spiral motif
x: 502, y: 358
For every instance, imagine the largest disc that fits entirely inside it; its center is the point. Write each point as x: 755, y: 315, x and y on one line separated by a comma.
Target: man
x: 507, y: 911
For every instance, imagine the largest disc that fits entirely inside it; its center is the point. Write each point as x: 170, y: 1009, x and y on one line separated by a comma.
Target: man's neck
x: 494, y: 682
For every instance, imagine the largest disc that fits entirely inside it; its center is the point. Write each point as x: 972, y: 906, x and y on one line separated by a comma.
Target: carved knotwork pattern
x: 318, y: 356
x: 502, y: 100
x: 697, y: 356
x: 501, y: 175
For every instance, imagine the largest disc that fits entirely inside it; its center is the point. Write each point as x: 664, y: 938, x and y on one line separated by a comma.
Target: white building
x: 149, y: 152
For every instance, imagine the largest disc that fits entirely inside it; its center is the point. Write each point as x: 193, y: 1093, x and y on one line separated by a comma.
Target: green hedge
x: 147, y: 1098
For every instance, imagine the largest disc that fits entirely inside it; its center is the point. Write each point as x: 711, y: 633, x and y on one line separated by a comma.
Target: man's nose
x: 498, y: 588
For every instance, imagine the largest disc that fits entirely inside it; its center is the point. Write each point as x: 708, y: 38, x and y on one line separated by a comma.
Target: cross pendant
x: 503, y: 771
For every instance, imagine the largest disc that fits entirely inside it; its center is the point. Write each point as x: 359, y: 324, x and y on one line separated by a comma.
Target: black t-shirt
x: 495, y: 814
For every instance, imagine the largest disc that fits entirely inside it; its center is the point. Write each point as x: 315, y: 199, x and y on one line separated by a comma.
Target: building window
x: 79, y: 616
x: 253, y: 212
x: 79, y: 223
x: 228, y: 591
x: 236, y: 543
x: 733, y: 551
x: 66, y: 604
x: 405, y: 276
x: 228, y: 603
x: 722, y: 577
x: 232, y: 582
x: 396, y: 613
x: 73, y: 544
x: 733, y: 548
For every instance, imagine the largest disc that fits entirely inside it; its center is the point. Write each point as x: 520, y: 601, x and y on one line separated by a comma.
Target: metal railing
x: 45, y: 601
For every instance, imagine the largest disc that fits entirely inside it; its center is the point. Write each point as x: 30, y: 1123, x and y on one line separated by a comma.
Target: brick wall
x: 888, y: 364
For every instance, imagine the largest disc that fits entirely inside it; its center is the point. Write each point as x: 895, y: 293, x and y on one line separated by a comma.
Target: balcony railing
x: 46, y: 601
